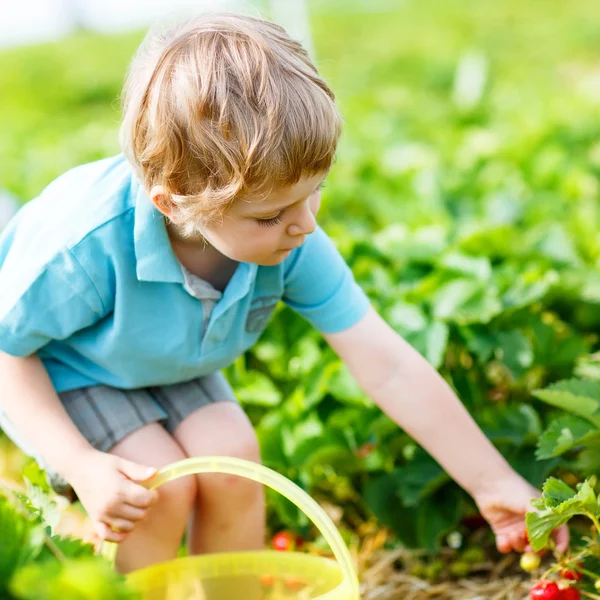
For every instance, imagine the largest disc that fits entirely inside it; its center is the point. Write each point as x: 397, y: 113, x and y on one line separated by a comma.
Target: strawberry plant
x: 37, y: 565
x: 580, y: 569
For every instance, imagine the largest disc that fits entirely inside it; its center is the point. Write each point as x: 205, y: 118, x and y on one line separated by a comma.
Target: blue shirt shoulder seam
x: 87, y: 234
x: 91, y: 282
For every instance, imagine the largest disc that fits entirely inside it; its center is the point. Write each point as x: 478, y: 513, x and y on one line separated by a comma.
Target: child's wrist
x: 74, y: 459
x: 497, y: 481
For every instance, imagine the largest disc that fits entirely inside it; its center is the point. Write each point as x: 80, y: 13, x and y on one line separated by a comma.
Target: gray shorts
x: 106, y: 415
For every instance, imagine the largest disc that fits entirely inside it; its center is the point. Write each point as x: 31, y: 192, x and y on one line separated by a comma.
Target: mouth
x: 292, y: 248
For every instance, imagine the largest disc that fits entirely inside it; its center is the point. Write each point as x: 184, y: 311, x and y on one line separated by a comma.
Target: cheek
x: 315, y: 204
x: 266, y: 237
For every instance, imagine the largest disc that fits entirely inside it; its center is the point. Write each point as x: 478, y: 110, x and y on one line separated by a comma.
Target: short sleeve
x: 320, y: 286
x: 50, y: 304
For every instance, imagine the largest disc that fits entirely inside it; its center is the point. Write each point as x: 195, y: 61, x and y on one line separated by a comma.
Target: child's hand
x: 106, y: 485
x: 504, y: 505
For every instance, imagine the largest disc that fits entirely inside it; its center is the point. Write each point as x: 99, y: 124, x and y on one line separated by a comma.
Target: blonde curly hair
x: 221, y: 107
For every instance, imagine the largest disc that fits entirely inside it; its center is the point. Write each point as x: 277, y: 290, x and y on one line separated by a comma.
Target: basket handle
x: 260, y: 474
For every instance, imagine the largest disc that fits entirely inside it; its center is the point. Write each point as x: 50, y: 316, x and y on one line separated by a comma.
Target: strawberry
x: 545, y: 590
x: 286, y: 541
x: 530, y: 561
x: 569, y: 593
x: 573, y: 574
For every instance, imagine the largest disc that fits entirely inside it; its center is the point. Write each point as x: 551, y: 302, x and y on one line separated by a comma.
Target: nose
x: 305, y: 222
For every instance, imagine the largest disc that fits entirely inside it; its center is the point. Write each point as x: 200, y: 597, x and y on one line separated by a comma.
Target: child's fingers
x: 129, y: 513
x: 518, y: 541
x: 107, y: 534
x: 120, y: 525
x: 136, y: 472
x: 561, y: 537
x: 137, y: 495
x: 503, y: 543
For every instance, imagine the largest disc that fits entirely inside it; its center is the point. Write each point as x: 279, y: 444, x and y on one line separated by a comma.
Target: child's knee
x: 241, y: 444
x: 178, y: 497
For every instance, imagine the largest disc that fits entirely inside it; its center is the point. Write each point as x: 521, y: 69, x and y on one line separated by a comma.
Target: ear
x: 162, y: 201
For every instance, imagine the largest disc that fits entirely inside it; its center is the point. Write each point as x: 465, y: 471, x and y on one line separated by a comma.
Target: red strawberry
x: 286, y: 541
x: 545, y: 590
x: 570, y: 593
x: 573, y: 574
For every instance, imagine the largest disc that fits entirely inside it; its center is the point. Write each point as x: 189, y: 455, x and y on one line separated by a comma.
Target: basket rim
x: 247, y: 566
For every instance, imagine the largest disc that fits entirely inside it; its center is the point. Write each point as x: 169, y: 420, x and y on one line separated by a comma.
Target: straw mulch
x: 494, y: 581
x: 385, y: 574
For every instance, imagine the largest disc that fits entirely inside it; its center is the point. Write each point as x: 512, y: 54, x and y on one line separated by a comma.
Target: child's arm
x: 103, y: 482
x: 412, y: 393
x: 29, y: 400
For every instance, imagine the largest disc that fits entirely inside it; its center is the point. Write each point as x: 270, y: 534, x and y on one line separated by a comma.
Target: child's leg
x: 156, y: 538
x: 230, y: 512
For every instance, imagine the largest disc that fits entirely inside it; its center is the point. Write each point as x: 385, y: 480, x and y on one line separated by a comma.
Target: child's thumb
x: 136, y: 472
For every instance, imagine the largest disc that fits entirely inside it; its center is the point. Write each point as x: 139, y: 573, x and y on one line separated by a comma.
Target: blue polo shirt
x: 89, y: 282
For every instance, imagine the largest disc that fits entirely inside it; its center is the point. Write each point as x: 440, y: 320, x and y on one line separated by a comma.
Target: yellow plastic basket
x: 259, y: 575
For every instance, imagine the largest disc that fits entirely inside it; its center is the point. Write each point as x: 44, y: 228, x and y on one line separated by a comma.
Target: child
x: 130, y: 282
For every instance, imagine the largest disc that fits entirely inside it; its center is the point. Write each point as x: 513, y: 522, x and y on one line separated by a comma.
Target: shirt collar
x: 155, y: 258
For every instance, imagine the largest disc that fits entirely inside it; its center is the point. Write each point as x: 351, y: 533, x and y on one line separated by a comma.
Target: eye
x: 269, y: 222
x: 321, y: 186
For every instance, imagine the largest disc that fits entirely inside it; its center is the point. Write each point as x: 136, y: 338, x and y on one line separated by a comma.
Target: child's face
x: 264, y: 230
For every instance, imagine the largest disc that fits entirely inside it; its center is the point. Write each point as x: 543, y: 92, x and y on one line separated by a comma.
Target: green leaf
x: 21, y: 539
x: 307, y: 354
x: 478, y: 267
x: 437, y: 516
x: 42, y: 503
x: 36, y: 476
x: 431, y: 342
x: 257, y: 389
x: 88, y: 578
x: 481, y: 343
x: 344, y: 387
x: 317, y: 385
x: 578, y: 396
x: 381, y: 496
x: 289, y: 514
x: 523, y: 461
x: 466, y: 301
x: 563, y: 434
x: 406, y: 317
x: 419, y: 478
x: 562, y: 503
x: 470, y: 80
x: 73, y: 547
x: 588, y: 461
x: 555, y: 492
x: 436, y: 341
x: 541, y: 525
x: 529, y: 288
x: 452, y: 296
x: 555, y: 243
x: 515, y: 351
x: 514, y: 424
